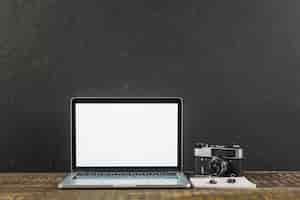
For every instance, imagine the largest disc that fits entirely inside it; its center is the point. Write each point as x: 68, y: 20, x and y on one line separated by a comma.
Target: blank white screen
x: 126, y: 134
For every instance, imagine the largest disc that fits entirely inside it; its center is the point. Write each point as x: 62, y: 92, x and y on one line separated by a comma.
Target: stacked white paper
x: 221, y: 182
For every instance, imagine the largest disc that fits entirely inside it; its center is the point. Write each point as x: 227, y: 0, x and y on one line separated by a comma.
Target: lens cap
x: 231, y: 180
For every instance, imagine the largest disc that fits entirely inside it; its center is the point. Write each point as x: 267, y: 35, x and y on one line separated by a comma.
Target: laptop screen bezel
x: 76, y: 100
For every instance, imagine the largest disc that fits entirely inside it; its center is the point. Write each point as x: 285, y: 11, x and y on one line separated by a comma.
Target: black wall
x: 236, y: 63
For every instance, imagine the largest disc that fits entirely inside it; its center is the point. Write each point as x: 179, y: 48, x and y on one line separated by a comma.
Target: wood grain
x: 23, y: 186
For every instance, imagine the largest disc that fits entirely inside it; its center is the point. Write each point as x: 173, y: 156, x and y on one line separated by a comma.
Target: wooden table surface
x: 23, y: 186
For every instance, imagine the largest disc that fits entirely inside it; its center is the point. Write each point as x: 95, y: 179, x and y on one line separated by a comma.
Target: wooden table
x: 23, y: 186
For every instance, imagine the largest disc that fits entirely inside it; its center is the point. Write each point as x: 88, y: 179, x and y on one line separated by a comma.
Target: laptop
x: 126, y: 143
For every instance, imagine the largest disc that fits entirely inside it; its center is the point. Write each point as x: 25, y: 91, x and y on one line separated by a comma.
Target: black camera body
x: 217, y: 160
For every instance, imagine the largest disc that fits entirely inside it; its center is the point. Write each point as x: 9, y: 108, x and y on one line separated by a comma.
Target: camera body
x: 217, y: 160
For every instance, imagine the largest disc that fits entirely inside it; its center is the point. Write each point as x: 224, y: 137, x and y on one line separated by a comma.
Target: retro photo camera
x: 217, y: 160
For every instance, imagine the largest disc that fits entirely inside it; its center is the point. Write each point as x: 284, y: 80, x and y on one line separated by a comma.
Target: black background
x: 236, y: 63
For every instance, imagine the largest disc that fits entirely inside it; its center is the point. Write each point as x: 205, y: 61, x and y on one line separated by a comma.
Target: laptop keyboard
x: 126, y: 173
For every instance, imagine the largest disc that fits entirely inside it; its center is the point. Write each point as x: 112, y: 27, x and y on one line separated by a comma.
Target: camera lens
x: 218, y: 166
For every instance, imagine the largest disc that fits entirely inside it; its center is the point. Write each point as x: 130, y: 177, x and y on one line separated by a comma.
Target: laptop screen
x: 126, y: 134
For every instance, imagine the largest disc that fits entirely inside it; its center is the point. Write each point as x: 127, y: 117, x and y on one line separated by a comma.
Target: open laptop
x: 126, y: 142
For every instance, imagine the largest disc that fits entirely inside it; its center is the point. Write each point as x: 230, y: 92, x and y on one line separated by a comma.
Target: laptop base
x: 177, y: 181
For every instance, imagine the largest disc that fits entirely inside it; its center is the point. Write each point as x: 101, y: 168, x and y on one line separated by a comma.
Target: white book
x: 222, y: 182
